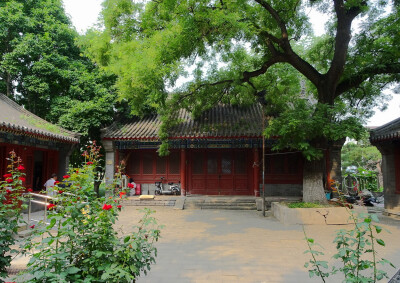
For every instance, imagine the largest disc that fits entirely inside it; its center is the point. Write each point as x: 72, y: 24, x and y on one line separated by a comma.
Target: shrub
x: 85, y: 247
x: 353, y: 247
x: 11, y: 199
x: 306, y: 205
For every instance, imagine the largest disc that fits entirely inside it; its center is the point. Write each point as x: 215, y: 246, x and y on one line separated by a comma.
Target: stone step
x: 25, y: 234
x: 22, y: 227
x: 229, y: 207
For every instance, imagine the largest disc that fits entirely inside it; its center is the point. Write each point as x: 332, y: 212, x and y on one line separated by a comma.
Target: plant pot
x: 328, y: 195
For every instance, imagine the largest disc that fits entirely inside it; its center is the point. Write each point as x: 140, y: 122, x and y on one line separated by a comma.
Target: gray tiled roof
x: 220, y: 121
x: 388, y: 131
x: 14, y: 117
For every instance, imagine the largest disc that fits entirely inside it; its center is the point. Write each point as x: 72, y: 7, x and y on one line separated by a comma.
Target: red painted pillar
x: 256, y: 172
x: 183, y: 172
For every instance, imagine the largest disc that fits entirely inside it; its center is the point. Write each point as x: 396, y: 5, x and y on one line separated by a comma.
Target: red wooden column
x: 183, y: 172
x: 256, y: 172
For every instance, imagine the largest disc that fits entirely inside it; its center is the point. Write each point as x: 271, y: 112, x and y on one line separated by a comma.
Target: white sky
x: 84, y: 14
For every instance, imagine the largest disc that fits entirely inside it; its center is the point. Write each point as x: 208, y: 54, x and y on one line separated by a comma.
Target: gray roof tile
x: 14, y: 117
x: 219, y: 121
x: 388, y: 131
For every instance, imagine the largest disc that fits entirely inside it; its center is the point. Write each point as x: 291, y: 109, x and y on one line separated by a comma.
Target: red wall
x: 26, y: 153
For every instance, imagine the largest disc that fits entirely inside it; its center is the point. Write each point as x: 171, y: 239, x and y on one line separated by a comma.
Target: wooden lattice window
x: 226, y: 163
x: 293, y: 163
x: 212, y: 164
x: 174, y: 163
x: 147, y: 163
x: 198, y: 163
x: 134, y: 164
x: 240, y: 162
x: 161, y: 165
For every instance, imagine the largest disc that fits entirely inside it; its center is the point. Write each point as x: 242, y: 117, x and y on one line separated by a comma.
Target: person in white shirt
x: 132, y: 187
x: 50, y: 185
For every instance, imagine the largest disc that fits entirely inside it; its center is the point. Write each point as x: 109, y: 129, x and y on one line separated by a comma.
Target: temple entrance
x: 219, y: 172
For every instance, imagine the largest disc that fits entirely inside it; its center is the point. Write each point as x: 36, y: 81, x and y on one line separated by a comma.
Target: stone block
x: 312, y: 216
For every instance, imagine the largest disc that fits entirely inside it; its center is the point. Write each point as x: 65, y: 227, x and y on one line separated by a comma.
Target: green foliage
x: 43, y: 68
x: 11, y: 199
x: 367, y: 180
x: 231, y: 51
x: 360, y: 154
x: 305, y: 205
x: 356, y: 252
x: 80, y: 244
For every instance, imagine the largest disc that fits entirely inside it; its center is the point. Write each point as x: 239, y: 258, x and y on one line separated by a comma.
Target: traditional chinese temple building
x: 387, y: 139
x: 220, y: 153
x: 43, y: 147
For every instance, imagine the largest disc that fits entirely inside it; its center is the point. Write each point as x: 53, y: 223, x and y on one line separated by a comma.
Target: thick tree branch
x: 289, y: 55
x: 345, y: 17
x: 357, y: 79
x: 276, y: 16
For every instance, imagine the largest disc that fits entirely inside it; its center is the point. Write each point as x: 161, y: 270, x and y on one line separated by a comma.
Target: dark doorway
x: 38, y: 180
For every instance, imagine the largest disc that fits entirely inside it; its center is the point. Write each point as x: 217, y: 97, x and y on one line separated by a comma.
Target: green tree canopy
x: 43, y: 68
x: 241, y: 51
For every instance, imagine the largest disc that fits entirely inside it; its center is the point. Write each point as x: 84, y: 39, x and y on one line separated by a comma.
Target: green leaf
x: 380, y: 242
x: 378, y: 229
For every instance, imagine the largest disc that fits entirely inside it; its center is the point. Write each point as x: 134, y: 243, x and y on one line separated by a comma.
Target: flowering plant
x: 85, y: 247
x: 11, y: 199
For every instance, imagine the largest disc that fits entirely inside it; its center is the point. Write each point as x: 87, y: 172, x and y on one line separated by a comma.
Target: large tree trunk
x: 313, y: 186
x: 335, y: 161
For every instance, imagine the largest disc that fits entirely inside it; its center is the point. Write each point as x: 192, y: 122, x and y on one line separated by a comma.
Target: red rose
x: 22, y: 179
x: 89, y: 163
x: 121, y: 194
x: 119, y: 207
x: 66, y: 176
x: 20, y: 167
x: 50, y: 206
x: 33, y: 226
x: 7, y: 175
x: 56, y: 182
x: 107, y: 206
x: 130, y: 186
x: 60, y: 192
x: 30, y: 190
x: 8, y: 191
x: 9, y: 180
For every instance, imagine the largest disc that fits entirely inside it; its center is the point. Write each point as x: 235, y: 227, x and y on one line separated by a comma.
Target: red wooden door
x: 219, y: 172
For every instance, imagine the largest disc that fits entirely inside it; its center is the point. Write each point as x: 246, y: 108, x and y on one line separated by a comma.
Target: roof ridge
x: 19, y: 108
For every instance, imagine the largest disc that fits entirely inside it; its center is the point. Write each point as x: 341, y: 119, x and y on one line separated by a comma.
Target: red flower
x: 9, y: 180
x: 121, y: 194
x: 8, y: 191
x: 89, y: 163
x: 30, y: 190
x: 60, y: 192
x: 33, y: 226
x: 66, y: 176
x: 7, y: 175
x: 107, y: 206
x: 22, y: 179
x: 20, y: 167
x: 56, y: 182
x: 130, y: 186
x: 119, y: 207
x: 50, y: 206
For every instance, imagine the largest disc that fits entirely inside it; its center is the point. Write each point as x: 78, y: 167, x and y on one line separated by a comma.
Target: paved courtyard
x: 238, y: 246
x: 241, y: 246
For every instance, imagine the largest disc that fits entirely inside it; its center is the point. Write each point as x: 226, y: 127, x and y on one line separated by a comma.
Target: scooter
x: 171, y: 190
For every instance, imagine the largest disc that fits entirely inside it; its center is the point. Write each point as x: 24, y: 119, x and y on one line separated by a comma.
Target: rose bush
x: 80, y: 244
x: 11, y: 199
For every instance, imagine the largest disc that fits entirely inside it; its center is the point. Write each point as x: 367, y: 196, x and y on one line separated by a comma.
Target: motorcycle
x: 171, y: 190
